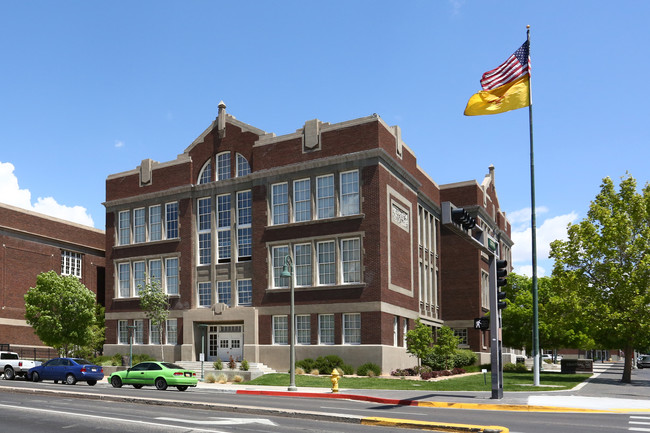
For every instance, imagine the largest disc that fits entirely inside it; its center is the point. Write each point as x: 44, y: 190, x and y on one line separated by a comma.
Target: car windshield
x: 172, y: 366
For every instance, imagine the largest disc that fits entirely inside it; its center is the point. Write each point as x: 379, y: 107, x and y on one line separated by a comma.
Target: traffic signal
x: 501, y: 281
x: 461, y: 217
x: 482, y: 323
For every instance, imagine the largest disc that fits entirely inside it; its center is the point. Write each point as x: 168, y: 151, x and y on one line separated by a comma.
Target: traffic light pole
x: 495, y: 332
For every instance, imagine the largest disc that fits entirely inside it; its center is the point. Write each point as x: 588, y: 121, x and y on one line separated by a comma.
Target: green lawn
x: 476, y: 382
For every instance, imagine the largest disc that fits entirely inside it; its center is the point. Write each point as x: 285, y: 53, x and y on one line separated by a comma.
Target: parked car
x: 13, y: 366
x: 67, y: 370
x: 643, y: 361
x: 158, y: 374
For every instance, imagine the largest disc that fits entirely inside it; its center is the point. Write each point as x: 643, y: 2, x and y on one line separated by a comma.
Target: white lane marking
x: 222, y: 421
x: 58, y: 412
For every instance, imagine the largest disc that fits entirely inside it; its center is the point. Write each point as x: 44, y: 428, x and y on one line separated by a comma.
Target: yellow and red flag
x: 505, y: 88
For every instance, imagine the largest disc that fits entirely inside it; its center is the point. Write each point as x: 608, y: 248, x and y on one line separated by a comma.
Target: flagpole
x: 533, y: 223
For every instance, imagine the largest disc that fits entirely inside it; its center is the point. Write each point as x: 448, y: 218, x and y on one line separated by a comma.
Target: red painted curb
x: 339, y: 396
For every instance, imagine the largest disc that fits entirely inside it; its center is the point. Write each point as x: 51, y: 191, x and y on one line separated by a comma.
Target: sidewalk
x: 603, y: 392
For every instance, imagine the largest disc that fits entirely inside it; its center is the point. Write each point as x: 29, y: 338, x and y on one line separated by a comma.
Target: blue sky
x: 90, y: 88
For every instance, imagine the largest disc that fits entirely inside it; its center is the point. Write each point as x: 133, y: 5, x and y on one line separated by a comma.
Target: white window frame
x: 244, y: 225
x: 224, y: 223
x: 351, y: 332
x: 124, y: 284
x: 139, y: 276
x: 172, y: 283
x: 280, y: 203
x: 223, y: 166
x: 243, y: 167
x: 171, y: 330
x: 71, y: 263
x: 280, y: 330
x: 326, y: 331
x: 303, y: 329
x: 224, y: 292
x: 350, y: 262
x: 278, y: 253
x: 124, y: 227
x: 155, y: 223
x: 302, y: 265
x: 122, y: 331
x: 204, y: 293
x: 205, y: 175
x: 325, y: 197
x: 302, y: 200
x: 245, y: 292
x: 350, y: 202
x: 326, y: 269
x: 139, y: 226
x: 204, y: 229
x: 154, y: 334
x: 172, y: 223
x: 138, y: 331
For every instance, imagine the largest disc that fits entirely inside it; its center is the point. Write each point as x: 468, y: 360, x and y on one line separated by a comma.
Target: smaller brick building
x: 33, y: 243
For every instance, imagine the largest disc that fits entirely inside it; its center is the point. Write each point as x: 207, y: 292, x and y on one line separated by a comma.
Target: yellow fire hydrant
x: 335, y: 380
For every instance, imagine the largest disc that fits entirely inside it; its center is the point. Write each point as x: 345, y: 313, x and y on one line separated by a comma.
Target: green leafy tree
x: 603, y: 268
x: 155, y: 304
x: 446, y: 347
x: 61, y: 311
x: 419, y: 340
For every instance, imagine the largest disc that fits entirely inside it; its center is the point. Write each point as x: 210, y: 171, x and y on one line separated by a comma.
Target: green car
x: 159, y: 374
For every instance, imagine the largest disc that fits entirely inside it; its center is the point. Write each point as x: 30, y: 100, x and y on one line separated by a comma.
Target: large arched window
x: 205, y: 175
x: 243, y: 168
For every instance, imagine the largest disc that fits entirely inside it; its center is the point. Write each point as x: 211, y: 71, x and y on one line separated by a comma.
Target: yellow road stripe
x: 426, y: 425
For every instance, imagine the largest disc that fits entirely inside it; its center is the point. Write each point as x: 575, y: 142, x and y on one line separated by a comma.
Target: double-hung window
x: 124, y: 279
x: 349, y: 193
x: 280, y: 203
x: 278, y: 255
x: 280, y: 330
x: 303, y: 329
x: 171, y: 275
x: 205, y: 294
x: 223, y: 228
x: 244, y: 229
x: 155, y: 223
x: 138, y: 277
x: 122, y: 332
x: 138, y: 332
x: 302, y: 264
x: 223, y: 166
x: 71, y: 263
x: 172, y: 331
x: 325, y: 196
x: 244, y: 292
x: 139, y: 226
x: 326, y: 329
x: 204, y: 216
x: 326, y: 262
x: 224, y: 292
x: 351, y: 260
x: 154, y: 333
x: 302, y: 200
x: 124, y: 227
x: 155, y: 271
x: 352, y: 328
x: 171, y: 220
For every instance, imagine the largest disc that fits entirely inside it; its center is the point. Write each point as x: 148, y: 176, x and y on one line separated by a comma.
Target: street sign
x: 492, y: 244
x: 482, y: 323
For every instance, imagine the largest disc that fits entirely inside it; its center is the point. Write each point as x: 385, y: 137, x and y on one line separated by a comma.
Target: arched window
x: 205, y: 175
x: 243, y: 168
x: 223, y: 166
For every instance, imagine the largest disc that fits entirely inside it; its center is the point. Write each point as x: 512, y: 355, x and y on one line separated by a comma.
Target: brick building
x: 31, y: 244
x: 346, y: 202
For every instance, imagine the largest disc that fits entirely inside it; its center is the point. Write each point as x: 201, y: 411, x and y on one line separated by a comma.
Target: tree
x: 419, y: 340
x: 155, y: 304
x: 446, y: 347
x: 61, y: 311
x: 557, y: 327
x: 603, y: 268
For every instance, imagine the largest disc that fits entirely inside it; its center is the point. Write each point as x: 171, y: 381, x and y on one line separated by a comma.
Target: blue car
x: 67, y: 370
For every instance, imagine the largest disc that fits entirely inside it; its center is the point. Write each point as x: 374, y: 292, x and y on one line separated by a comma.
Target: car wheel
x: 137, y: 386
x: 161, y: 384
x: 116, y: 382
x: 70, y: 379
x: 35, y: 377
x: 92, y: 382
x: 9, y: 373
x: 182, y: 387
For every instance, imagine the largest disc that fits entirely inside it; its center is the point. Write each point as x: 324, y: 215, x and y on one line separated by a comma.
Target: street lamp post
x: 132, y: 328
x: 202, y: 327
x: 287, y: 271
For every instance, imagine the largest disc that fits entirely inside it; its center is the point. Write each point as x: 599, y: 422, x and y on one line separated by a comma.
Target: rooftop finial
x: 221, y: 120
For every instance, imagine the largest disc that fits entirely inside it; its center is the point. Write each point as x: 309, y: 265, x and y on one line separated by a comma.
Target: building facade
x: 344, y: 207
x: 31, y: 244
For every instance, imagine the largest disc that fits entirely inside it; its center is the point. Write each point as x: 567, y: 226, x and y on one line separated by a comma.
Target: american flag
x: 516, y: 66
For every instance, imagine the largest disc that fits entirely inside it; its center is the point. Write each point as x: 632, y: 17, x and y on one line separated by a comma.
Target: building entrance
x: 225, y: 341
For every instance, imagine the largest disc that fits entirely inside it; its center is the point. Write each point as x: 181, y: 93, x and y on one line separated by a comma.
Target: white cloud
x: 523, y: 215
x: 11, y: 194
x: 119, y: 143
x: 551, y: 229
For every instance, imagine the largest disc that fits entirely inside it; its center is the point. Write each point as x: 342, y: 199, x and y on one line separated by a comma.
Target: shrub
x: 218, y: 365
x: 143, y: 357
x: 232, y: 364
x: 314, y: 372
x: 116, y: 359
x: 300, y: 370
x: 328, y: 363
x: 244, y: 365
x: 515, y: 368
x: 210, y: 378
x: 403, y: 372
x: 348, y: 370
x: 368, y: 367
x: 237, y: 379
x: 458, y: 370
x: 419, y: 369
x: 464, y: 357
x: 306, y: 364
x: 428, y: 375
x: 222, y: 378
